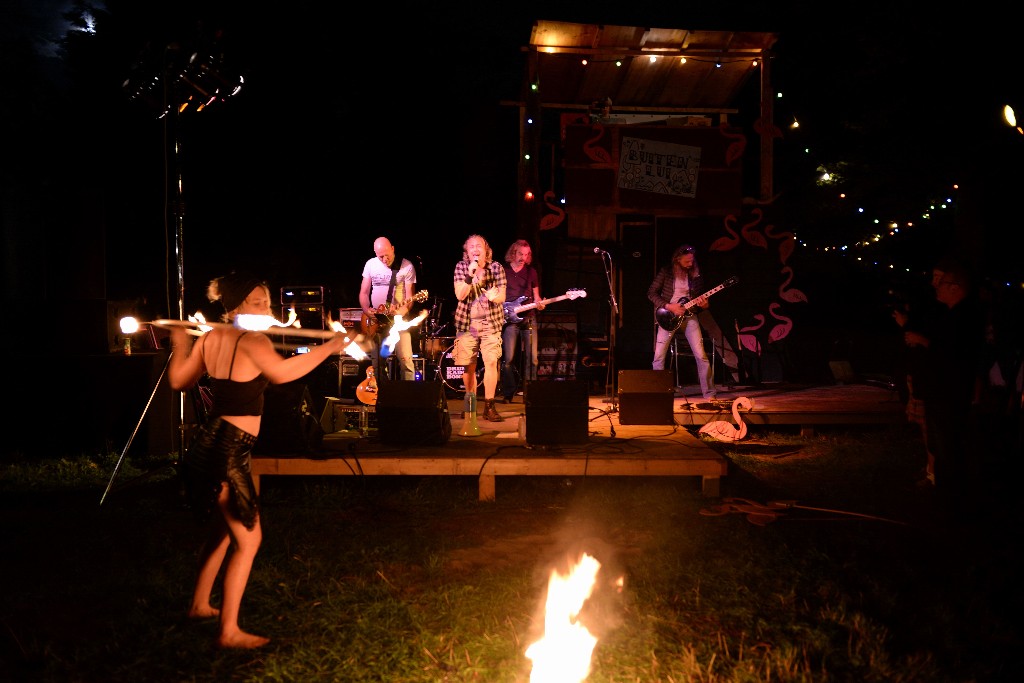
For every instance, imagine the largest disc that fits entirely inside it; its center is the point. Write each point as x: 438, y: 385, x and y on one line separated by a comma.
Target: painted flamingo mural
x: 753, y: 236
x: 782, y: 330
x: 590, y: 148
x: 786, y: 293
x: 731, y: 241
x: 552, y: 220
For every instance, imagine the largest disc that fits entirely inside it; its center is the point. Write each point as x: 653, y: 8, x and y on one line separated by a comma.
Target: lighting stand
x: 138, y: 424
x: 613, y: 316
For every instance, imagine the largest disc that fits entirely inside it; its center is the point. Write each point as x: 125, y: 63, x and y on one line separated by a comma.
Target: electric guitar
x: 516, y: 306
x: 366, y: 391
x: 668, y: 320
x: 369, y: 324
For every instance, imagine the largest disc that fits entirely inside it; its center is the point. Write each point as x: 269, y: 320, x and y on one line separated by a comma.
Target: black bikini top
x: 237, y: 398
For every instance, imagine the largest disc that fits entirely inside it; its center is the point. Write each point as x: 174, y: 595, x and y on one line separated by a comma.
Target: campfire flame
x: 397, y: 326
x: 563, y: 654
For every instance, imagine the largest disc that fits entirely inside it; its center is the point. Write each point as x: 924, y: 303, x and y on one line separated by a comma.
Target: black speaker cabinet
x: 412, y: 413
x: 556, y: 411
x: 646, y: 397
x: 289, y: 423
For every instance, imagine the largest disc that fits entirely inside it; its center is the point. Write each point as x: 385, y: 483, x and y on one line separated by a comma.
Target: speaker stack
x: 412, y: 413
x: 646, y: 397
x: 556, y: 412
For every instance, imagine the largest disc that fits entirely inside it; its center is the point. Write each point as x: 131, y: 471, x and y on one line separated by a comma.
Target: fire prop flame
x: 352, y: 349
x: 563, y: 654
x: 397, y: 327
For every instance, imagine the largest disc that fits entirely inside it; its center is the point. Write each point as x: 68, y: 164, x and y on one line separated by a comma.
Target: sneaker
x: 507, y: 399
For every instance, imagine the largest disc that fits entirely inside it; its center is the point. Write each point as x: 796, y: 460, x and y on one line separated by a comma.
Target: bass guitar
x: 366, y: 391
x: 370, y: 324
x: 516, y: 306
x: 669, y: 321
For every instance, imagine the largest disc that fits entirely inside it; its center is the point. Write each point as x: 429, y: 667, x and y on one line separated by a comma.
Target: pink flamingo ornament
x: 725, y: 431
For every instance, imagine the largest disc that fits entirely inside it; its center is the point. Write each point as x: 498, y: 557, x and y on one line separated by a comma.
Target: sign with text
x: 661, y: 167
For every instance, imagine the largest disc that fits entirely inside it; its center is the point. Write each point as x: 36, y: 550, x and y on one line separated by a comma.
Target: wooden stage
x: 608, y: 448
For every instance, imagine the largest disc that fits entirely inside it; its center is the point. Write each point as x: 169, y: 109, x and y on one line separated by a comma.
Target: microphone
x: 599, y: 250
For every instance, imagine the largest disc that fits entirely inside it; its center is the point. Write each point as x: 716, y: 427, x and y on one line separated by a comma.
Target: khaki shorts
x: 479, y: 338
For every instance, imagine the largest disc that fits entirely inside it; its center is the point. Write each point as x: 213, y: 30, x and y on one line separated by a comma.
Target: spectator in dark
x: 952, y: 362
x: 916, y: 314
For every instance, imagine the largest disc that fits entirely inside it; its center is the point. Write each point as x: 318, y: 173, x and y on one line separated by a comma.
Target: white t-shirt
x: 380, y: 280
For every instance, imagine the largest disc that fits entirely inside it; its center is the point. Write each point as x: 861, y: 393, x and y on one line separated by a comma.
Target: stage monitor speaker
x: 289, y: 424
x: 412, y: 413
x: 646, y: 397
x: 556, y: 411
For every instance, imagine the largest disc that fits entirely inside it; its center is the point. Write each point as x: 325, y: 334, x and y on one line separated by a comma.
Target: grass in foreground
x: 413, y: 579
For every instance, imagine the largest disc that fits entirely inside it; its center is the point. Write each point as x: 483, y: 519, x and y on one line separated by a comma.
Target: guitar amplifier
x: 301, y: 295
x: 646, y: 397
x: 350, y: 373
x: 349, y: 318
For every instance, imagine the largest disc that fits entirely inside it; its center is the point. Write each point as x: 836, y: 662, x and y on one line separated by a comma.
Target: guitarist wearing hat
x: 388, y: 289
x: 679, y: 289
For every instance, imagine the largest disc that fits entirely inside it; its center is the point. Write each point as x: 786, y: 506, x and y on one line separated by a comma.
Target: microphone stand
x: 609, y: 267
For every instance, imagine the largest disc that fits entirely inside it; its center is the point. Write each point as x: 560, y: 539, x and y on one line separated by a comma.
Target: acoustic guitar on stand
x: 370, y: 324
x: 516, y: 306
x: 366, y: 391
x: 669, y: 321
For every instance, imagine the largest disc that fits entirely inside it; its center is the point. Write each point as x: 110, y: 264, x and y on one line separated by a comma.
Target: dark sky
x: 321, y: 152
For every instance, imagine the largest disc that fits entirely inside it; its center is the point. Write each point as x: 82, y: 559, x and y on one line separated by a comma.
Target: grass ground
x: 820, y: 562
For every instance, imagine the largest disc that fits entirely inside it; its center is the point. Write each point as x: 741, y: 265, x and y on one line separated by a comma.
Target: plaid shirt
x: 494, y: 276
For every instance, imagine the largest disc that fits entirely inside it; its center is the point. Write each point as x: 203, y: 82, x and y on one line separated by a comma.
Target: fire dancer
x: 216, y: 467
x: 479, y: 316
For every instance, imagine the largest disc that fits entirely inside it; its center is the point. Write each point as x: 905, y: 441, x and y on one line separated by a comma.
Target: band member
x: 522, y: 281
x: 387, y: 290
x: 681, y: 281
x: 479, y: 317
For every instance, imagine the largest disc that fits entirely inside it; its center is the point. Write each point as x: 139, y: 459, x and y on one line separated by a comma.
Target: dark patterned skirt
x: 221, y: 452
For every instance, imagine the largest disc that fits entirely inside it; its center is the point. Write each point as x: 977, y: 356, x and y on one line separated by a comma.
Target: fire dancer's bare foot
x: 203, y: 612
x: 242, y: 640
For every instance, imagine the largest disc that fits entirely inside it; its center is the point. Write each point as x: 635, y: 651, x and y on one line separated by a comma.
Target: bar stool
x: 679, y: 346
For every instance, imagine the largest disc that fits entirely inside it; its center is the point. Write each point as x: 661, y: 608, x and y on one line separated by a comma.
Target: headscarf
x: 233, y: 289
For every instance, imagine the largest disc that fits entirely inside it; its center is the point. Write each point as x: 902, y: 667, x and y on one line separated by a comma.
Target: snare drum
x: 451, y: 374
x: 433, y: 347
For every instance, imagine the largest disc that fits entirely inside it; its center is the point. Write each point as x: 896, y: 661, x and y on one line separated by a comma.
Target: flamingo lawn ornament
x: 725, y: 431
